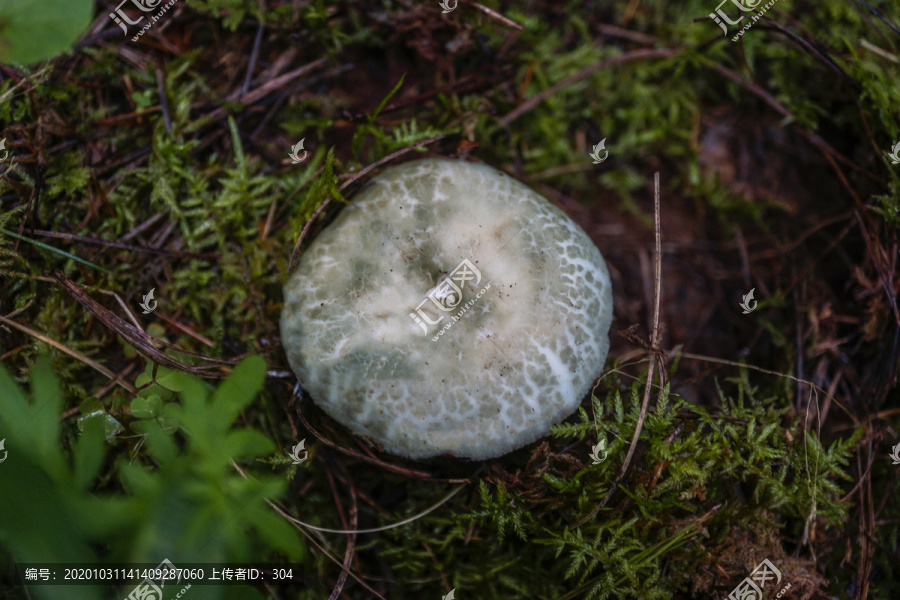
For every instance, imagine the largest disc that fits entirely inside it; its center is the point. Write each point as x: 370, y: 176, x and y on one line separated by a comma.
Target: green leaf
x: 271, y: 528
x: 174, y: 381
x: 42, y: 423
x: 89, y: 452
x: 146, y: 408
x: 138, y: 479
x: 159, y: 443
x: 247, y: 443
x: 14, y: 407
x: 237, y: 391
x: 381, y: 106
x: 53, y: 249
x: 35, y: 30
x: 180, y: 500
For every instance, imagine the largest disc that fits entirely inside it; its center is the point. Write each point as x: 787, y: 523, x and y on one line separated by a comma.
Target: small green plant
x: 541, y: 533
x: 181, y: 497
x: 35, y: 30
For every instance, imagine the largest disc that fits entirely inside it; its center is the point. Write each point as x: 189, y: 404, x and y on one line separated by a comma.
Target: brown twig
x: 389, y: 158
x: 185, y: 329
x: 303, y: 232
x: 254, y: 55
x: 163, y: 102
x: 628, y: 34
x: 309, y: 537
x: 781, y: 109
x: 866, y: 526
x: 437, y: 565
x: 123, y: 373
x: 321, y: 549
x: 654, y: 340
x: 812, y: 48
x: 256, y: 95
x: 875, y: 249
x: 495, y: 15
x: 351, y: 539
x: 405, y: 521
x: 796, y: 243
x: 656, y: 357
x: 732, y: 363
x: 384, y: 465
x: 461, y: 86
x: 143, y: 343
x: 77, y: 355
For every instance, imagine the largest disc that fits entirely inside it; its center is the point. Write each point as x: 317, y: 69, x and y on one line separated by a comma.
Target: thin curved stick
x: 351, y: 541
x: 732, y: 363
x: 73, y: 353
x: 306, y: 534
x: 325, y: 552
x: 384, y: 465
x: 655, y: 359
x: 376, y: 529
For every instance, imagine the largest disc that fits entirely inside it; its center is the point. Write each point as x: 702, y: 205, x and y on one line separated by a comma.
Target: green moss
x: 713, y: 486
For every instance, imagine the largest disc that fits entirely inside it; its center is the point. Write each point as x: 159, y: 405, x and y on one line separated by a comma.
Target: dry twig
x: 143, y: 343
x: 77, y: 355
x: 384, y: 465
x: 656, y: 357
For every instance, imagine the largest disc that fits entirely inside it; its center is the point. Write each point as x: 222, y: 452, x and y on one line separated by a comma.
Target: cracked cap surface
x: 448, y: 309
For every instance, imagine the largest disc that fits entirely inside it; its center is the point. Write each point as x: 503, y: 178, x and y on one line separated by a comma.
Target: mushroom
x: 449, y: 309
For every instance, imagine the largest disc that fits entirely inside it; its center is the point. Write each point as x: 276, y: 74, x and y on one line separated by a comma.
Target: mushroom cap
x: 448, y: 309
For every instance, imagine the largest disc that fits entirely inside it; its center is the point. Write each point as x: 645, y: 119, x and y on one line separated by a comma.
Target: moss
x: 723, y: 474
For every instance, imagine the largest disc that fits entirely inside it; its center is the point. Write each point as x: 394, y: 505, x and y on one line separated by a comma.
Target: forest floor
x: 162, y: 164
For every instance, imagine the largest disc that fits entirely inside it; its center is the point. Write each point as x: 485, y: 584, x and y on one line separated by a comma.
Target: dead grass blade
x: 77, y: 355
x: 351, y: 540
x: 656, y: 360
x: 406, y: 521
x: 143, y: 343
x: 371, y: 459
x: 495, y: 15
x: 310, y: 538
